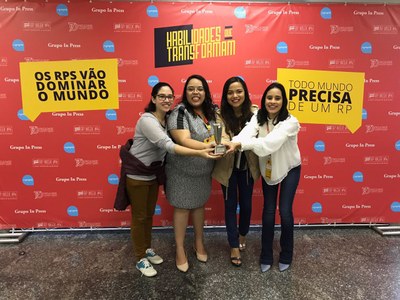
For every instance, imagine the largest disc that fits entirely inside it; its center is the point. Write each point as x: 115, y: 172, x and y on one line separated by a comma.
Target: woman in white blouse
x: 272, y: 135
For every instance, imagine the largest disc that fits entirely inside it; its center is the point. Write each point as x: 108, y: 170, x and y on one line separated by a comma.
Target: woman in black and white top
x: 236, y: 172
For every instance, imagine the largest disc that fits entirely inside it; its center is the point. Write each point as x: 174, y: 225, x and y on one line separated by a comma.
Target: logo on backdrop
x: 28, y: 180
x: 18, y: 45
x: 6, y: 130
x: 69, y: 147
x: 181, y: 45
x: 324, y: 97
x: 37, y: 26
x: 62, y: 10
x: 316, y: 207
x: 71, y: 85
x: 395, y: 206
x: 8, y: 195
x: 73, y: 211
x: 358, y: 176
x: 113, y: 179
x: 366, y: 48
x: 326, y: 13
x: 397, y: 145
x: 91, y: 194
x: 45, y: 162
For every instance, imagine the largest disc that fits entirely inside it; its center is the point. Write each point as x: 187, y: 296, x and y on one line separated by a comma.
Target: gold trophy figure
x: 219, y: 148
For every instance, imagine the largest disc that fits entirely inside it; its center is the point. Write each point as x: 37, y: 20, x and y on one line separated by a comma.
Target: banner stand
x: 387, y: 229
x: 17, y: 235
x: 52, y: 180
x: 12, y: 237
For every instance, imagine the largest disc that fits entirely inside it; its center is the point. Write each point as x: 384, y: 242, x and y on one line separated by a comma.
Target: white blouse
x: 279, y: 141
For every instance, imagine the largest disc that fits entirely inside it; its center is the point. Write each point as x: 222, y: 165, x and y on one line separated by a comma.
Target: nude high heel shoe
x: 183, y: 267
x: 200, y: 257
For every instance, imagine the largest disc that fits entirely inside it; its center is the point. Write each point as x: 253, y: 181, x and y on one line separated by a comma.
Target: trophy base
x: 219, y: 149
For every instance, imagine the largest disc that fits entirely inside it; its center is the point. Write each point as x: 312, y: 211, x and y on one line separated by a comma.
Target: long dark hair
x: 151, y: 107
x: 235, y: 124
x: 207, y: 107
x: 262, y: 115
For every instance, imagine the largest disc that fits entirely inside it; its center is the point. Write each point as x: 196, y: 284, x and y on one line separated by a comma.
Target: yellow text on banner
x: 73, y: 85
x: 324, y: 97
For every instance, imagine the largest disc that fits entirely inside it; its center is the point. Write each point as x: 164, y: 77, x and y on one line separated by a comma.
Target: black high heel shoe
x: 242, y: 242
x: 236, y: 260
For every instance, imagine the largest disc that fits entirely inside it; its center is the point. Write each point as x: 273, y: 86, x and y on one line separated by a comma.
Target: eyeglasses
x: 163, y: 97
x: 191, y: 89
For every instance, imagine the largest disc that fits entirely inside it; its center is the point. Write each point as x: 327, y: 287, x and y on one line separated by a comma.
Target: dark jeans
x: 240, y: 188
x: 287, y: 189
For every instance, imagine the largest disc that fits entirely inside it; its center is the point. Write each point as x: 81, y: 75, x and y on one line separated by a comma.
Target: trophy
x: 219, y: 148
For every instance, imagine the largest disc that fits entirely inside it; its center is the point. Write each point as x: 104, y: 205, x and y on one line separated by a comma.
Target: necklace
x: 205, y: 121
x: 161, y: 121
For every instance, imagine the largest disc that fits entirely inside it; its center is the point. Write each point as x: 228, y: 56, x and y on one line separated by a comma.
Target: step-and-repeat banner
x: 76, y: 76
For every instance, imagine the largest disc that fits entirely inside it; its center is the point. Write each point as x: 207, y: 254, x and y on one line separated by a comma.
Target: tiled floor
x: 329, y: 263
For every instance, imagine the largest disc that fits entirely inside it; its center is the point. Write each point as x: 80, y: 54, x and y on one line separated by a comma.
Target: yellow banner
x: 324, y: 97
x: 70, y: 85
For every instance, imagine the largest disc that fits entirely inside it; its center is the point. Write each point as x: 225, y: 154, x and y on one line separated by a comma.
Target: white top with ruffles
x: 279, y: 141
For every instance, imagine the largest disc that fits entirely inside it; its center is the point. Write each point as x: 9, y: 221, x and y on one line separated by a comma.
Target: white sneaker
x: 146, y: 268
x: 153, y: 257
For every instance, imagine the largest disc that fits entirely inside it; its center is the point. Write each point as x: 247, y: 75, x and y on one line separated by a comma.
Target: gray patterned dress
x: 188, y: 183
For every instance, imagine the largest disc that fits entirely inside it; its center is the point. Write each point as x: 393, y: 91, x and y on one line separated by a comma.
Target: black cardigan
x: 133, y: 166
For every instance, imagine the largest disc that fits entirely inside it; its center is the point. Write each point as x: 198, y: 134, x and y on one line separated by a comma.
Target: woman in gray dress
x: 188, y: 183
x: 142, y: 173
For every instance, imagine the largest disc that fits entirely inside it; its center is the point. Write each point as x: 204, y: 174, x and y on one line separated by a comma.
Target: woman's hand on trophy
x: 210, y: 145
x: 232, y: 146
x: 208, y: 153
